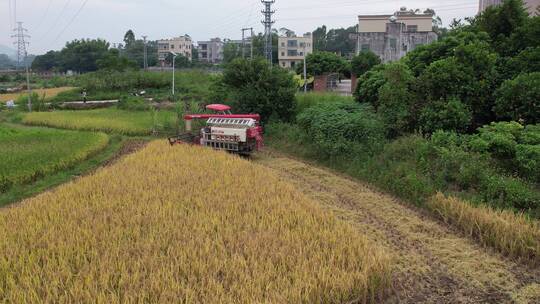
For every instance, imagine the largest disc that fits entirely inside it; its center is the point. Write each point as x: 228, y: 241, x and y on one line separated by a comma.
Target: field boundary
x: 523, y: 253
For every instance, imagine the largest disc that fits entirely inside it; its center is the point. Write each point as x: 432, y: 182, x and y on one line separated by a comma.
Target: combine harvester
x: 235, y: 133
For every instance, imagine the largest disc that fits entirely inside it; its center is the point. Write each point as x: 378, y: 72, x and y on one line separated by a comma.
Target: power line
x: 71, y: 21
x: 44, y: 15
x: 11, y: 24
x: 55, y: 23
x: 377, y: 13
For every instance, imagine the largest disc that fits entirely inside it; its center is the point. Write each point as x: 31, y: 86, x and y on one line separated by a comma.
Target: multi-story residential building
x: 292, y: 49
x: 211, y: 51
x: 532, y: 5
x: 392, y: 36
x: 182, y: 45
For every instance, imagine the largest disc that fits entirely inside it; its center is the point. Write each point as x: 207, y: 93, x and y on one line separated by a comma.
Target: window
x: 412, y: 28
x: 283, y: 44
x: 393, y: 43
x: 283, y: 64
x: 292, y: 43
x: 301, y: 53
x: 365, y: 47
x: 302, y: 44
x: 292, y: 53
x: 293, y: 64
x: 204, y: 47
x: 283, y: 54
x: 404, y: 47
x: 172, y: 46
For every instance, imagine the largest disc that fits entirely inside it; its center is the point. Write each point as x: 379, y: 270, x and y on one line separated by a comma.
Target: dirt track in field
x: 434, y: 263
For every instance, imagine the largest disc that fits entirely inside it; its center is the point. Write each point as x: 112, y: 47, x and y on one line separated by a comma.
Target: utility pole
x: 22, y: 53
x: 243, y: 45
x: 268, y: 22
x: 305, y: 69
x: 251, y: 44
x: 145, y: 64
x: 244, y: 41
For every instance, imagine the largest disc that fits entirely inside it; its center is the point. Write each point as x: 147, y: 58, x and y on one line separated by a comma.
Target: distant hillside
x: 8, y: 51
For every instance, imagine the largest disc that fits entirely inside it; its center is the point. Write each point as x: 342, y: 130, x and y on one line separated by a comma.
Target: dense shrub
x: 449, y: 114
x: 368, y: 86
x: 396, y: 100
x: 320, y: 63
x: 364, y: 62
x: 38, y: 102
x: 255, y: 87
x: 519, y: 99
x: 335, y: 128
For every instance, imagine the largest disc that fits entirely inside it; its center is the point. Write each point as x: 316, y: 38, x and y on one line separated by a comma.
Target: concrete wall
x: 321, y: 83
x: 377, y: 23
x: 395, y: 42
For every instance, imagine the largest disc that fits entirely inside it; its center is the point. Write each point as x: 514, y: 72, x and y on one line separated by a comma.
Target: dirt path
x: 434, y: 264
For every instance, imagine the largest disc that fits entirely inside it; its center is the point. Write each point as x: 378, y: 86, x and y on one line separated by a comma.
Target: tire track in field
x: 433, y: 263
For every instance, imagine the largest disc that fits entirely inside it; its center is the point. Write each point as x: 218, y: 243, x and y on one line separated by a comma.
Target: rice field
x: 49, y: 93
x: 184, y: 225
x: 104, y: 120
x: 30, y: 153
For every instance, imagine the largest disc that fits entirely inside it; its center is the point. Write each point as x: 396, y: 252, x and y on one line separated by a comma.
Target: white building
x: 293, y: 49
x: 182, y: 45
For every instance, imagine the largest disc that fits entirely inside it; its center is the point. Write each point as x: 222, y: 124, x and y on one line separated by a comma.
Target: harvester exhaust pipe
x: 188, y: 126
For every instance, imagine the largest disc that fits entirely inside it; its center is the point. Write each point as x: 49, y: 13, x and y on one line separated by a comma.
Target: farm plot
x: 184, y: 224
x: 30, y: 153
x: 49, y: 93
x: 105, y: 120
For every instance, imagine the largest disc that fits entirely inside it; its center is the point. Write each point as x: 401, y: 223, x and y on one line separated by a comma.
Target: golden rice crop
x: 48, y: 93
x: 510, y: 233
x: 106, y: 120
x: 183, y: 225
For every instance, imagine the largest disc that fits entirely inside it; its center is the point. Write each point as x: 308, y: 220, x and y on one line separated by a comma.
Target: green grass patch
x: 32, y: 153
x: 308, y: 100
x: 23, y: 191
x: 106, y: 120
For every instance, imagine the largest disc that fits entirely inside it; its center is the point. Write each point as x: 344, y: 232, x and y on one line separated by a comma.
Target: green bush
x: 517, y: 99
x: 38, y: 103
x: 336, y: 127
x: 320, y: 63
x: 528, y: 160
x: 396, y: 100
x: 367, y: 90
x: 448, y: 115
x: 508, y: 192
x: 364, y: 62
x: 255, y: 87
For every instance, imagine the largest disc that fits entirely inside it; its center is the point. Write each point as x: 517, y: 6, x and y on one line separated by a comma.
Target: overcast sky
x: 53, y: 22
